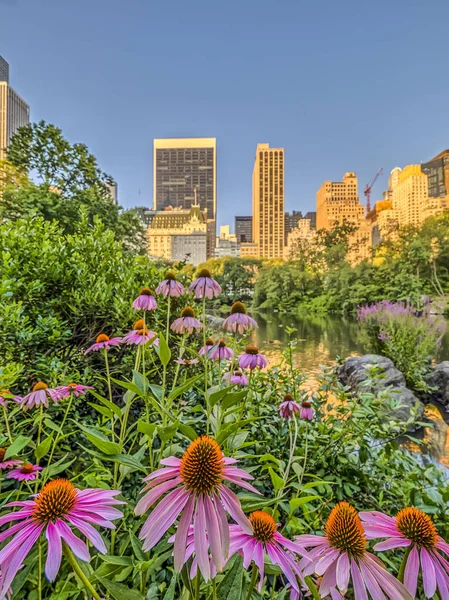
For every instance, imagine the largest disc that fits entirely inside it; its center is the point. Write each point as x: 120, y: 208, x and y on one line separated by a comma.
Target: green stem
x: 5, y: 414
x: 205, y: 367
x: 312, y: 587
x: 58, y: 436
x: 39, y: 575
x: 198, y: 586
x: 403, y: 564
x: 108, y: 377
x: 168, y: 318
x: 79, y: 572
x: 252, y: 585
x: 306, y: 448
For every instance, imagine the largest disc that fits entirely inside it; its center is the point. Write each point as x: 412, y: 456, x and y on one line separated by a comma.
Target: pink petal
x: 223, y: 525
x: 258, y: 559
x: 329, y: 556
x: 309, y: 541
x: 201, y: 545
x: 393, y: 588
x: 232, y: 505
x: 77, y: 546
x: 182, y: 532
x: 357, y: 580
x: 371, y: 582
x: 151, y: 497
x: 54, y: 554
x: 162, y: 517
x: 442, y: 581
x: 392, y: 543
x: 343, y: 572
x: 18, y: 557
x: 213, y: 533
x: 428, y: 573
x: 90, y: 532
x: 278, y: 557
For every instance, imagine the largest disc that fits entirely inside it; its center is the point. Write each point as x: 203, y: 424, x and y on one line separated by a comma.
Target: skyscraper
x: 268, y: 201
x: 244, y: 229
x: 181, y: 166
x: 410, y: 196
x: 291, y: 222
x: 437, y: 171
x: 14, y: 111
x: 338, y: 202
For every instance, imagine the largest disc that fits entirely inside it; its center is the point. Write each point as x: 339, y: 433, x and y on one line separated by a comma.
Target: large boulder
x: 354, y: 372
x: 438, y: 381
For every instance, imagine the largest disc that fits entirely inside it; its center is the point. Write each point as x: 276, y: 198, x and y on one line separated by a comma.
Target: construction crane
x: 368, y: 188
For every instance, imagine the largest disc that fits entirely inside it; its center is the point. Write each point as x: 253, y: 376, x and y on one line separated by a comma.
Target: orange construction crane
x: 368, y: 188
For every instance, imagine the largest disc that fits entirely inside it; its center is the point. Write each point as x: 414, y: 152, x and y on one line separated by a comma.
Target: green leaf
x: 119, y: 591
x: 184, y: 387
x: 188, y: 431
x: 19, y: 444
x: 99, y: 440
x: 278, y: 482
x: 170, y: 593
x: 146, y: 428
x: 129, y: 385
x: 59, y: 466
x: 232, y: 399
x: 115, y: 409
x: 167, y: 433
x: 163, y: 350
x: 137, y: 547
x: 106, y: 412
x: 123, y: 459
x: 230, y: 587
x: 297, y: 502
x: 216, y: 396
x: 43, y: 447
x: 117, y: 560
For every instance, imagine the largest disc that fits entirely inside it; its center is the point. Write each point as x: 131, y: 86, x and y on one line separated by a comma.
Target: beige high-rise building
x: 268, y: 201
x: 410, y: 195
x: 338, y: 202
x: 301, y: 234
x: 14, y: 111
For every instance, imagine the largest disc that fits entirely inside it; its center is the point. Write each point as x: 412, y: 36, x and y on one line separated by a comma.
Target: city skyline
x: 341, y: 97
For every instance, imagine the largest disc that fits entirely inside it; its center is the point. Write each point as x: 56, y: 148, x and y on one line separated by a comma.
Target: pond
x: 321, y: 340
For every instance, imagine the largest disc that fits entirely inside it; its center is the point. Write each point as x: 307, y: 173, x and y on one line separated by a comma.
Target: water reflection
x: 321, y: 339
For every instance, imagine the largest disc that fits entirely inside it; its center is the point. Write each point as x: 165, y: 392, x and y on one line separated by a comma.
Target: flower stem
x: 198, y: 586
x: 5, y: 414
x: 312, y: 587
x: 306, y: 447
x: 404, y: 563
x: 79, y: 572
x: 58, y: 435
x: 205, y: 366
x: 108, y: 377
x: 39, y: 575
x: 252, y: 585
x: 168, y: 319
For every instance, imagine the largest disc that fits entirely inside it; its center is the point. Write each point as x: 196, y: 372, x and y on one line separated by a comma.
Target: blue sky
x: 342, y: 86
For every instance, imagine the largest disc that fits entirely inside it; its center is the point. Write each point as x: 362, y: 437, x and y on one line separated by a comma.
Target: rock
x: 354, y: 373
x: 438, y: 379
x: 214, y: 322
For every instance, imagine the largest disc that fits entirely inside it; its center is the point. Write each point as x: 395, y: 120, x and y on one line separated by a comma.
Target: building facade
x: 302, y: 233
x: 410, y: 195
x: 437, y: 171
x: 181, y: 166
x: 338, y: 202
x: 268, y: 201
x: 244, y: 229
x: 311, y: 215
x: 291, y: 222
x: 14, y: 111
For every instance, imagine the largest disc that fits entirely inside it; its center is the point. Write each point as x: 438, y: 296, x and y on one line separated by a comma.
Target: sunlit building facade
x: 14, y: 111
x: 410, y: 195
x: 338, y: 202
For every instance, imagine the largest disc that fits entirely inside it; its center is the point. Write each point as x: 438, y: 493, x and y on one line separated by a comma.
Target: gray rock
x: 438, y: 380
x: 354, y: 372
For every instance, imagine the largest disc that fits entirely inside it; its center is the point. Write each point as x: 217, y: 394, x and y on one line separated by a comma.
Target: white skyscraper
x: 14, y: 111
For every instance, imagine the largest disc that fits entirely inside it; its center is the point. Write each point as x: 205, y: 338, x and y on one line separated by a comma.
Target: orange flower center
x: 202, y: 466
x: 54, y: 501
x: 344, y: 530
x: 263, y: 525
x: 418, y: 527
x: 204, y: 273
x: 146, y: 292
x: 306, y: 404
x: 170, y: 276
x: 238, y: 307
x: 72, y: 385
x: 222, y: 344
x: 102, y: 338
x: 2, y: 453
x: 187, y: 312
x: 251, y: 350
x: 3, y: 392
x: 210, y: 342
x: 238, y: 373
x: 26, y: 469
x: 139, y: 324
x: 144, y: 331
x: 40, y: 385
x: 288, y: 398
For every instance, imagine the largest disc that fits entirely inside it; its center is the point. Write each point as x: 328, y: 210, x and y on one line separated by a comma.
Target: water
x: 321, y: 340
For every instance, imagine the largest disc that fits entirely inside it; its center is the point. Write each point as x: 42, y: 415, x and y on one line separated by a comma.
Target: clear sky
x: 345, y: 85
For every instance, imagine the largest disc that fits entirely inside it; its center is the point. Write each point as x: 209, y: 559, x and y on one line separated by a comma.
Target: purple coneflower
x: 251, y: 359
x: 187, y: 361
x: 202, y: 496
x: 53, y: 510
x: 8, y: 463
x: 340, y: 555
x: 104, y: 342
x: 205, y: 286
x: 236, y: 378
x: 26, y: 472
x: 413, y: 529
x: 145, y: 300
x: 190, y: 550
x: 239, y: 321
x: 264, y: 538
x: 208, y: 345
x: 64, y: 391
x: 39, y: 396
x: 170, y: 286
x: 6, y: 395
x: 306, y: 411
x: 220, y: 351
x: 140, y: 335
x: 288, y: 407
x: 186, y: 322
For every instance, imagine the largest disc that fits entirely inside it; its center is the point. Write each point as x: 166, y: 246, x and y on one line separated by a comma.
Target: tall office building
x: 291, y: 222
x: 338, y: 202
x: 311, y: 215
x: 268, y: 201
x: 181, y: 166
x: 437, y: 171
x: 410, y: 195
x: 244, y: 229
x: 14, y: 111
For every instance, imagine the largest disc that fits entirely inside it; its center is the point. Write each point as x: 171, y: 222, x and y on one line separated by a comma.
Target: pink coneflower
x: 186, y: 322
x: 9, y: 463
x: 145, y: 300
x: 306, y: 411
x: 414, y: 530
x: 39, y: 396
x: 264, y: 538
x: 236, y: 378
x: 170, y: 286
x: 251, y: 359
x: 187, y: 361
x: 63, y: 391
x: 190, y: 550
x: 239, y: 321
x: 57, y: 506
x: 6, y: 395
x: 103, y: 342
x: 205, y: 286
x: 208, y: 345
x: 340, y: 555
x: 202, y: 496
x: 26, y: 472
x: 220, y: 351
x: 140, y: 335
x: 288, y: 407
